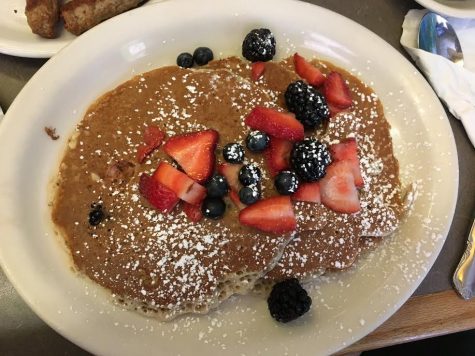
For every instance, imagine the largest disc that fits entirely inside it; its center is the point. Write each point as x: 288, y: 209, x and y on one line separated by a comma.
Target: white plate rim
x: 447, y: 10
x: 110, y: 25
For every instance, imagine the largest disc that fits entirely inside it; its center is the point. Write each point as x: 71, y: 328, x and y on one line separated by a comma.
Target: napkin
x: 454, y: 84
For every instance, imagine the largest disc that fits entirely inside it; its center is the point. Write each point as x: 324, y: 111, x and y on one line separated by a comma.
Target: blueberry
x: 213, y: 208
x: 233, y: 153
x: 257, y: 141
x: 96, y: 215
x: 286, y: 182
x: 249, y: 174
x: 217, y: 187
x: 259, y: 45
x: 249, y: 195
x: 202, y: 55
x: 185, y: 60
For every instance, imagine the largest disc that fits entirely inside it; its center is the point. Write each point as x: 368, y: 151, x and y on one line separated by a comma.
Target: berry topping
x: 259, y: 45
x: 308, y: 71
x: 257, y: 70
x: 308, y: 105
x: 157, y: 194
x: 309, y: 192
x: 309, y: 158
x: 274, y: 214
x: 183, y: 186
x: 235, y: 199
x: 336, y: 91
x: 347, y: 150
x: 231, y: 173
x: 249, y: 174
x: 250, y: 194
x: 337, y: 189
x: 217, y: 186
x: 193, y: 212
x: 194, y: 152
x: 213, y: 208
x: 233, y: 153
x: 96, y: 215
x: 278, y: 155
x: 184, y: 60
x: 202, y: 55
x: 286, y: 182
x: 288, y: 301
x: 275, y: 123
x: 257, y: 141
x: 152, y: 138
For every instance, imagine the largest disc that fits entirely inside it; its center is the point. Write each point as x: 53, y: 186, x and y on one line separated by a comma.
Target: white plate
x: 346, y: 306
x: 454, y: 8
x: 17, y: 39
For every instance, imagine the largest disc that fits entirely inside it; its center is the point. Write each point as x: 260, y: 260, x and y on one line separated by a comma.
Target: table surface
x: 22, y: 332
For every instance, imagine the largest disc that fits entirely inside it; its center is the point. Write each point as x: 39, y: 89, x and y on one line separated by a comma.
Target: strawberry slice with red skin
x: 275, y: 123
x: 277, y: 155
x: 309, y: 192
x: 234, y: 196
x: 337, y: 189
x: 184, y: 187
x: 153, y: 138
x: 257, y: 70
x: 194, y: 152
x: 273, y: 214
x: 231, y: 173
x: 193, y: 212
x: 336, y: 91
x: 308, y: 71
x: 157, y: 194
x: 347, y: 150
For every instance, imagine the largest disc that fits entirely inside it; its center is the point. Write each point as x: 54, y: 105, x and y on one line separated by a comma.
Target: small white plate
x: 16, y: 38
x: 346, y: 305
x: 454, y: 8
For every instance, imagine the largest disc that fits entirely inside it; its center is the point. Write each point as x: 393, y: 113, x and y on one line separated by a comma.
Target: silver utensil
x: 437, y: 36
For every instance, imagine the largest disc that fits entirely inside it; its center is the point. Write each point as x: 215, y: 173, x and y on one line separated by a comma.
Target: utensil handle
x: 464, y: 276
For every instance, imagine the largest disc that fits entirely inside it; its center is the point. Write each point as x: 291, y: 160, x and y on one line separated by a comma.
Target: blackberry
x: 202, y: 55
x: 217, y: 186
x: 308, y: 105
x: 309, y: 159
x: 259, y: 45
x: 288, y: 301
x: 286, y: 182
x: 96, y: 215
x: 249, y: 174
x: 249, y: 195
x: 213, y: 208
x: 233, y: 153
x: 257, y: 141
x: 185, y: 60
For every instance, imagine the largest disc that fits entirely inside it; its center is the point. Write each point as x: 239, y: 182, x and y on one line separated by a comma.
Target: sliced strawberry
x: 275, y: 123
x: 183, y: 186
x: 193, y: 212
x: 278, y: 155
x: 231, y: 173
x: 257, y: 70
x: 334, y: 109
x: 347, y: 150
x: 336, y: 91
x: 152, y: 138
x: 194, y: 152
x: 235, y: 199
x: 337, y: 189
x: 158, y: 195
x: 274, y: 214
x: 308, y: 71
x: 309, y: 192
